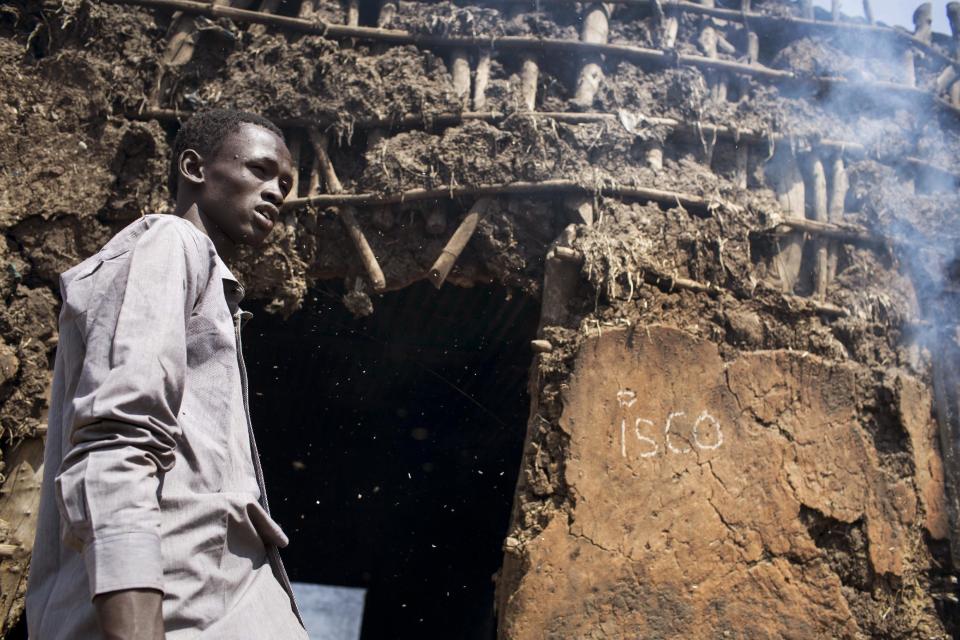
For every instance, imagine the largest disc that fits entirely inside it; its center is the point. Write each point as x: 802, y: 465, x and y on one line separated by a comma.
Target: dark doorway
x: 391, y: 446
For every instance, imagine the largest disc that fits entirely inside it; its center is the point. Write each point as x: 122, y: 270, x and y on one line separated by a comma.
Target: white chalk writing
x: 705, y: 433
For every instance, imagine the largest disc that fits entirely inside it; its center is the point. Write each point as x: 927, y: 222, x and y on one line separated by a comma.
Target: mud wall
x: 673, y: 225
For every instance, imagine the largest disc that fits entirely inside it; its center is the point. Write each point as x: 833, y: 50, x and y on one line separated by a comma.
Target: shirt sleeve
x: 125, y: 409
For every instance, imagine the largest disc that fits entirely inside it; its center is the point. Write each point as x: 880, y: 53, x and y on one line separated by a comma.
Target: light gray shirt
x: 151, y: 478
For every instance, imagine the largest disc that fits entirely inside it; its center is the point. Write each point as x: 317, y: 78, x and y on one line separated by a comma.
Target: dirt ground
x: 822, y: 511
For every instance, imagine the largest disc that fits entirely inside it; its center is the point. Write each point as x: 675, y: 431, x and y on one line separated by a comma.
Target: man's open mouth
x: 268, y: 213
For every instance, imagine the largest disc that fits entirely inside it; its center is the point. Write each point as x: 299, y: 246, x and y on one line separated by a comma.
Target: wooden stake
x: 266, y: 6
x: 818, y: 188
x: 353, y: 13
x: 388, y: 11
x: 541, y: 346
x: 367, y: 257
x: 806, y: 9
x: 838, y: 195
x: 460, y: 70
x: 346, y: 213
x: 529, y: 76
x: 835, y: 10
x: 787, y: 183
x: 953, y: 16
x: 451, y: 252
x: 868, y: 12
x: 395, y: 36
x: 559, y: 284
x: 909, y: 72
x: 481, y: 80
x: 294, y: 144
x: 946, y: 78
x: 708, y: 44
x: 596, y: 28
x: 665, y: 26
x: 753, y: 57
x: 742, y: 164
x: 696, y: 204
x: 671, y: 27
x: 923, y: 23
x: 653, y: 154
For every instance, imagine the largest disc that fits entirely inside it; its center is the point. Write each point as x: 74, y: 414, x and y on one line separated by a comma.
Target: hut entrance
x: 391, y: 447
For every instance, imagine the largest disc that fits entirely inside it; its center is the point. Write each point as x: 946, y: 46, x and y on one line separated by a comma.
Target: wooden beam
x: 461, y: 236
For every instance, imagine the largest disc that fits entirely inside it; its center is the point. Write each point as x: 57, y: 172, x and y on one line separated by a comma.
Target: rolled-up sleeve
x: 125, y: 409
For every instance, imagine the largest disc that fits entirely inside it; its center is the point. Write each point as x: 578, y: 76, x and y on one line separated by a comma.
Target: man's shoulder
x: 167, y: 230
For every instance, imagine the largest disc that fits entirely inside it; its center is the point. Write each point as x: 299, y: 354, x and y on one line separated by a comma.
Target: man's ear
x: 190, y: 165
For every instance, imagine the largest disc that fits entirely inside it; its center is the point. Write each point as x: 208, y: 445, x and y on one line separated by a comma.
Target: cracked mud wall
x: 821, y: 511
x: 739, y: 496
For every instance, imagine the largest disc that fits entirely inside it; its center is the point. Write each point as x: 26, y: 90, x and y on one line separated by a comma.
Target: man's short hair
x: 205, y: 132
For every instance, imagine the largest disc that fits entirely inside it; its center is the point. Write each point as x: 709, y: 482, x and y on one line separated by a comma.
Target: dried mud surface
x: 833, y: 399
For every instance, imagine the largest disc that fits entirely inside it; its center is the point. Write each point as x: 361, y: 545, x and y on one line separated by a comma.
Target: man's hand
x: 132, y: 614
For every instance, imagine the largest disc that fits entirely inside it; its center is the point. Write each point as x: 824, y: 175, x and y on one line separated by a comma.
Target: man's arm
x: 125, y: 425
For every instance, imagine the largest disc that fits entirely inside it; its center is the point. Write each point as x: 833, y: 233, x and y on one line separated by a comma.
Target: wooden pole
x: 671, y: 28
x: 460, y: 71
x: 868, y: 12
x: 347, y: 215
x: 380, y: 217
x: 293, y: 144
x: 574, y: 117
x: 353, y: 13
x: 481, y: 80
x: 742, y: 168
x: 946, y: 78
x: 806, y: 9
x: 753, y: 58
x: 838, y: 196
x: 923, y: 23
x: 596, y: 28
x: 708, y: 44
x: 835, y: 10
x: 388, y: 11
x: 818, y: 192
x: 696, y: 204
x: 367, y: 257
x: 461, y: 236
x: 529, y: 76
x: 266, y: 6
x: 909, y: 71
x: 787, y: 182
x: 953, y: 16
x: 561, y: 271
x: 653, y: 154
x: 773, y: 22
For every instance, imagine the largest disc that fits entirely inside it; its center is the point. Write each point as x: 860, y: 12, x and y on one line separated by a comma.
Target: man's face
x: 245, y: 183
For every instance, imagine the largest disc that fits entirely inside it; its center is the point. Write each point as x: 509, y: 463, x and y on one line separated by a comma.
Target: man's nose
x: 272, y: 193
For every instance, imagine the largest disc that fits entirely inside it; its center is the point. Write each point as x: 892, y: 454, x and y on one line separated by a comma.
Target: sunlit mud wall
x: 741, y: 225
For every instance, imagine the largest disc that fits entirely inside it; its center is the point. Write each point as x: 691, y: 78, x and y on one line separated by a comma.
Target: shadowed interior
x: 391, y: 446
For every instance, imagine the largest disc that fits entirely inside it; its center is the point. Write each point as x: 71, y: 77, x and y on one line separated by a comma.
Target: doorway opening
x: 391, y: 446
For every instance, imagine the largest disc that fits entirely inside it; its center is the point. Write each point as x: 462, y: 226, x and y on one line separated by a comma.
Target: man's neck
x: 192, y: 213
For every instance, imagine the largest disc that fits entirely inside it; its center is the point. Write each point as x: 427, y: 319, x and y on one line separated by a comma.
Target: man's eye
x: 258, y: 170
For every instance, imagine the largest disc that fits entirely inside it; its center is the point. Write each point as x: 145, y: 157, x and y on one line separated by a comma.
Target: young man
x: 153, y: 518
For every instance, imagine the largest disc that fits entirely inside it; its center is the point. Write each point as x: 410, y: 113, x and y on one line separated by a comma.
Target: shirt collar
x: 232, y: 289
